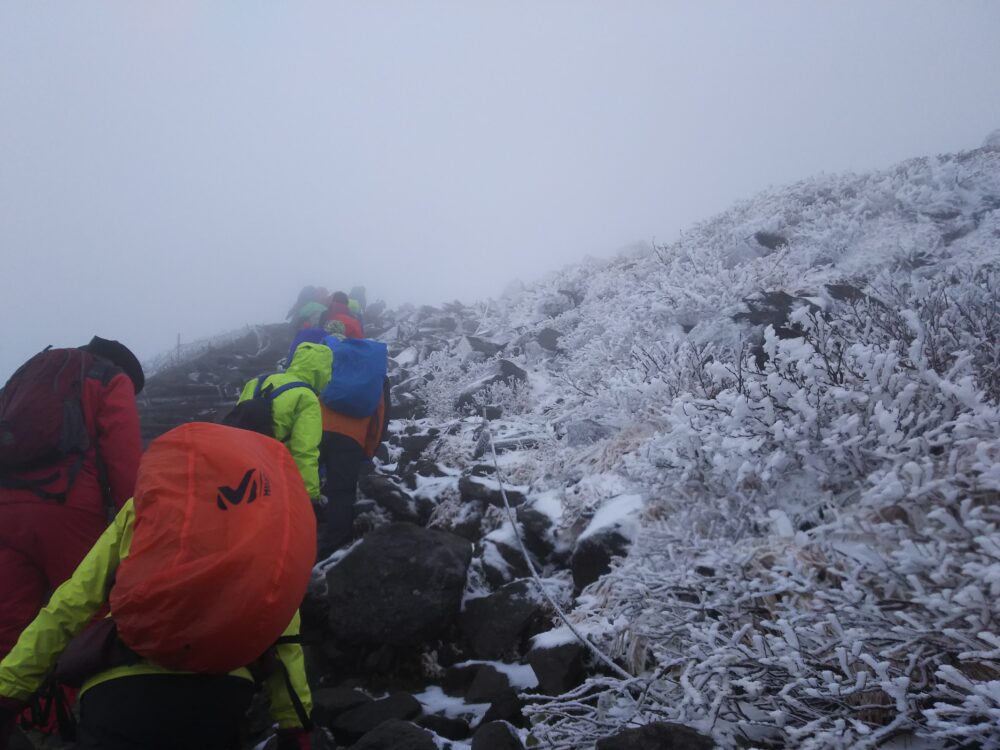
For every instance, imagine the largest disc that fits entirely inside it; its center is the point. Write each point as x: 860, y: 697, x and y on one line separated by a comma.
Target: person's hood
x: 119, y: 354
x: 312, y: 364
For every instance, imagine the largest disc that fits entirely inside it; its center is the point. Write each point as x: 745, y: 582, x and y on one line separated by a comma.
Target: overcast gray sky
x: 185, y: 167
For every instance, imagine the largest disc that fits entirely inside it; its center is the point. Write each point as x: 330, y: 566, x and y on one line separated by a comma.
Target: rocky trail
x: 424, y: 633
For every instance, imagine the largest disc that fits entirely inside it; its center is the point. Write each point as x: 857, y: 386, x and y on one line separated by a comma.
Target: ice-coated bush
x: 819, y: 560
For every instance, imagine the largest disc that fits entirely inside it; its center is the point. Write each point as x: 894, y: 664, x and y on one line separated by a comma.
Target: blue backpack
x: 359, y: 368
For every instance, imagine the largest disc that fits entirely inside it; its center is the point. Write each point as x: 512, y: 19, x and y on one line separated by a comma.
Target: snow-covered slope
x: 803, y: 391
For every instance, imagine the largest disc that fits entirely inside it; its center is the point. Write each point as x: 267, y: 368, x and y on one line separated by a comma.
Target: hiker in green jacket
x: 176, y: 660
x: 297, y: 419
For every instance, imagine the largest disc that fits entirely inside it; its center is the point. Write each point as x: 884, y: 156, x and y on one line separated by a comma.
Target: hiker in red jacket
x: 55, y: 506
x: 340, y: 309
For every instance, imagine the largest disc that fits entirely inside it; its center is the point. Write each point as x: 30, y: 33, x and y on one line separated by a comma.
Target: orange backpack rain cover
x: 222, y: 551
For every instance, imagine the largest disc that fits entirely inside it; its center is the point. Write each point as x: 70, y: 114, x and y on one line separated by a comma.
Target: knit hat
x: 335, y: 328
x: 120, y: 355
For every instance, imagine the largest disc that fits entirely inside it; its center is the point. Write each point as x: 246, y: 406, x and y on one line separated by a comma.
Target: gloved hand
x: 294, y: 739
x: 9, y: 709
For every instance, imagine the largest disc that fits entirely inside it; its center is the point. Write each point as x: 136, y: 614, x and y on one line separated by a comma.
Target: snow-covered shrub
x: 819, y: 564
x: 842, y: 586
x: 444, y: 374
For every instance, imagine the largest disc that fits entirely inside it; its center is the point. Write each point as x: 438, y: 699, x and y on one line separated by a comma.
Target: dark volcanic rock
x: 503, y: 562
x: 480, y: 488
x: 507, y: 707
x: 592, y: 556
x: 479, y: 346
x: 414, y: 445
x: 559, y: 668
x: 393, y: 498
x: 397, y: 735
x: 536, y: 531
x: 770, y: 240
x: 450, y: 729
x: 496, y: 735
x: 407, y: 405
x: 357, y: 722
x: 845, y: 292
x: 488, y: 685
x: 548, y: 338
x: 401, y: 586
x: 329, y: 703
x: 457, y: 678
x: 660, y: 735
x: 467, y: 522
x: 496, y: 624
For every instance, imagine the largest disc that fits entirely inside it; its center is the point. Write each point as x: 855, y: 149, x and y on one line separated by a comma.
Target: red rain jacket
x: 340, y: 311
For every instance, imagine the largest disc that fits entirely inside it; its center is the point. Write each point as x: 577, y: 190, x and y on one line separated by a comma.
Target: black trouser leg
x: 164, y: 712
x: 342, y: 457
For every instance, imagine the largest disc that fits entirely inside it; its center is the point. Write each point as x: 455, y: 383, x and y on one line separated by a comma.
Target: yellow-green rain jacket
x: 298, y: 421
x: 77, y: 601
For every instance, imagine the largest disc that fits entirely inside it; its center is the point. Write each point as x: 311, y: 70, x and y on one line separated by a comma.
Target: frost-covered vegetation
x: 805, y: 391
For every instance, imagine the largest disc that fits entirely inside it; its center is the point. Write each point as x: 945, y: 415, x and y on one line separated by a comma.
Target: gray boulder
x: 476, y: 345
x: 483, y: 488
x: 442, y: 726
x: 496, y: 625
x: 407, y: 405
x: 466, y: 521
x: 401, y: 586
x: 496, y: 735
x: 548, y: 339
x: 537, y: 532
x: 771, y: 240
x: 397, y: 735
x: 393, y: 498
x: 329, y: 703
x: 559, y: 668
x: 415, y: 444
x: 592, y: 555
x: 488, y: 685
x: 355, y: 723
x: 502, y: 561
x: 506, y: 707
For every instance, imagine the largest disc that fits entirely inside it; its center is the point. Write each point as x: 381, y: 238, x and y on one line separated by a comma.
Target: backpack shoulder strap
x: 293, y: 695
x: 273, y: 394
x: 260, y: 384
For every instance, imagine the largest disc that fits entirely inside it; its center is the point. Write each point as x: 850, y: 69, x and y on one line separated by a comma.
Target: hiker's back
x: 294, y: 411
x: 68, y: 429
x: 222, y: 550
x: 69, y: 449
x: 203, y: 573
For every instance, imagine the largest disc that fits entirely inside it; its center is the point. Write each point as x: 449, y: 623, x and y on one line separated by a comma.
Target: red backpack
x: 41, y: 418
x: 222, y: 549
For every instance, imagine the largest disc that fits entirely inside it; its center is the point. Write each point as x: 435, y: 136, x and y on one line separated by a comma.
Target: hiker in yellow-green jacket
x: 198, y: 710
x: 297, y: 420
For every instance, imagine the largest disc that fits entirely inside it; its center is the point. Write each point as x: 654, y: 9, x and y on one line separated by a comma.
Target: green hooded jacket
x: 298, y: 420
